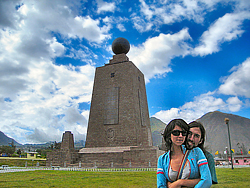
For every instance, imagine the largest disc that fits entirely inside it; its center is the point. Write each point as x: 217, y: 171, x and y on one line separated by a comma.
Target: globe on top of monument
x: 120, y: 45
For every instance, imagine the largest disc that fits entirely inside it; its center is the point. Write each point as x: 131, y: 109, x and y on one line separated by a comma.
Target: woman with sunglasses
x: 180, y: 167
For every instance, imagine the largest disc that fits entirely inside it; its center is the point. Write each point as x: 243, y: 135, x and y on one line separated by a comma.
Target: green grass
x: 239, y: 177
x: 228, y: 178
x: 78, y: 179
x: 21, y: 162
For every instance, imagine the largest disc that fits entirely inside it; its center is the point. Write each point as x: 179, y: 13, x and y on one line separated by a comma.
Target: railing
x: 20, y: 169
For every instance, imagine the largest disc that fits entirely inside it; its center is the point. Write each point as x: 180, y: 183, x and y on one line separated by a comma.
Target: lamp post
x: 226, y: 152
x: 227, y: 122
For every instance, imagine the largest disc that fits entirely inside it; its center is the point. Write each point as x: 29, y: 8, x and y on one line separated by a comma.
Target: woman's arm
x: 183, y: 183
x: 161, y: 178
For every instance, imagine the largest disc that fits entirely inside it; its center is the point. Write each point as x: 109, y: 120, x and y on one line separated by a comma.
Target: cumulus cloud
x: 201, y: 105
x: 57, y: 16
x: 226, y: 28
x: 158, y: 13
x: 8, y: 15
x: 141, y: 25
x: 235, y: 84
x: 105, y: 7
x: 238, y: 82
x: 146, y: 10
x: 49, y: 104
x: 234, y: 104
x: 165, y: 12
x: 39, y: 99
x: 153, y: 57
x: 86, y: 27
x: 194, y: 109
x: 121, y: 27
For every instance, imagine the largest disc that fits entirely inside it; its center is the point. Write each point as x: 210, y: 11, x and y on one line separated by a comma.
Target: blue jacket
x: 198, y: 164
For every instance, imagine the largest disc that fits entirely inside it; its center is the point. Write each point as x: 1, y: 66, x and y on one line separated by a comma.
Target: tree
x: 39, y: 151
x: 19, y: 152
x: 57, y: 145
x: 7, y: 150
x: 242, y: 149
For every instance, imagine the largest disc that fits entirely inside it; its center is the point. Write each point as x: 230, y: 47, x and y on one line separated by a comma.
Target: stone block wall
x: 62, y: 158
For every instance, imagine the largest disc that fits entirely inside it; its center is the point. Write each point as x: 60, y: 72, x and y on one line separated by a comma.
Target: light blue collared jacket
x: 198, y: 168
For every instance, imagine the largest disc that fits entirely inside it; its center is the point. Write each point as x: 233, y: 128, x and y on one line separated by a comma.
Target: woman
x: 194, y: 171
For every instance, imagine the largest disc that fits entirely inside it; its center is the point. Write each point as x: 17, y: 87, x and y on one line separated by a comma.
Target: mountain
x: 216, y: 132
x: 5, y: 140
x: 157, y: 127
x: 157, y: 124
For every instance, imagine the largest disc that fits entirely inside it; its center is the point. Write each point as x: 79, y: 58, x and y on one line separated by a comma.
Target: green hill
x: 157, y: 127
x: 5, y: 140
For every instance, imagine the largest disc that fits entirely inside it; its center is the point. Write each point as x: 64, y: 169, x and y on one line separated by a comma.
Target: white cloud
x: 201, y: 105
x: 158, y: 13
x: 193, y: 110
x: 234, y: 104
x: 57, y: 49
x: 86, y: 27
x: 58, y: 17
x: 121, y: 27
x: 226, y: 28
x: 238, y: 82
x: 49, y: 104
x: 141, y: 25
x: 8, y: 15
x: 153, y: 56
x: 146, y: 10
x: 105, y: 7
x: 39, y: 100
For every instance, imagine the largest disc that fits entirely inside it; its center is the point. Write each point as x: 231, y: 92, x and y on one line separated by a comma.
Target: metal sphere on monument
x: 120, y: 45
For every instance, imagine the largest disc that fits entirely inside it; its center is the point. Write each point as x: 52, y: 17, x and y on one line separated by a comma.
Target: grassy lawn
x: 239, y: 177
x: 228, y: 178
x: 21, y: 162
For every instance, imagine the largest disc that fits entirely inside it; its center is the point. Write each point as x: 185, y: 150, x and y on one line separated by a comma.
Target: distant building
x: 241, y: 159
x: 32, y: 155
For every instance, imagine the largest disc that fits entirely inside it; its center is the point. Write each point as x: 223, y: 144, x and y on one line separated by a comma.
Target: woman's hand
x: 181, y: 183
x: 176, y: 184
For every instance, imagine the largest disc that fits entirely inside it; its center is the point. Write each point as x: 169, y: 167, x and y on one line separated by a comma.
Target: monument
x: 119, y: 108
x: 119, y: 132
x: 66, y: 155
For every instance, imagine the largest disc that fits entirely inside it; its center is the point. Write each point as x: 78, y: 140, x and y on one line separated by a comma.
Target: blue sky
x: 194, y: 54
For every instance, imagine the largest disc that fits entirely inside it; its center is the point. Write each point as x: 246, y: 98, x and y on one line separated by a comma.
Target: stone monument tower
x: 119, y: 111
x: 119, y: 133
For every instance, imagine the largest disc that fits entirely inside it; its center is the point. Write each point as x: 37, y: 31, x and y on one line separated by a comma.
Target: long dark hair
x: 169, y: 128
x: 203, y: 133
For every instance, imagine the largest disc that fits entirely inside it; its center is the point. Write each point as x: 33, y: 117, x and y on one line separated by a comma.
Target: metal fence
x: 21, y: 169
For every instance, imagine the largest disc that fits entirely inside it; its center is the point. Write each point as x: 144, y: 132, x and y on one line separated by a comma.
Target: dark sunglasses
x: 177, y: 133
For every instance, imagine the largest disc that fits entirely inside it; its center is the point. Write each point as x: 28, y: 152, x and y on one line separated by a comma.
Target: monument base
x: 106, y: 157
x: 62, y: 158
x: 119, y: 157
